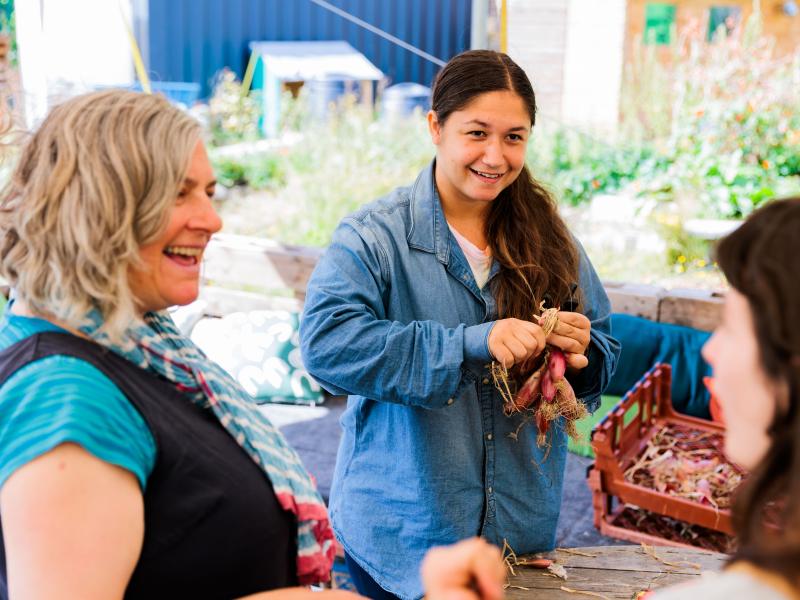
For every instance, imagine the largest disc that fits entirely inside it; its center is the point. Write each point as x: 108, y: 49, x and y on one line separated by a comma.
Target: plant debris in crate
x: 688, y: 463
x: 636, y: 519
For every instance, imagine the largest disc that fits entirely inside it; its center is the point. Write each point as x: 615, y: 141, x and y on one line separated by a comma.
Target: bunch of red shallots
x: 546, y: 394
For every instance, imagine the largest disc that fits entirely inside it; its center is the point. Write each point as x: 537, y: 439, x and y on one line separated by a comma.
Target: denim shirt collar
x: 429, y: 231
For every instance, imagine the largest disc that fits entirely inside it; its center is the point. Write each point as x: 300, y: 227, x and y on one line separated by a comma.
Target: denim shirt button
x: 485, y: 381
x: 489, y: 436
x: 490, y: 490
x: 450, y: 401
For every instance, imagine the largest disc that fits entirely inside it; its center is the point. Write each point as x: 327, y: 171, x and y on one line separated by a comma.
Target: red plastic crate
x: 637, y: 525
x: 617, y: 446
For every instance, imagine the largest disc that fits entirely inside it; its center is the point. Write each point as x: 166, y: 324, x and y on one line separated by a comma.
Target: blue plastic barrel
x: 402, y: 99
x: 177, y: 92
x: 323, y: 92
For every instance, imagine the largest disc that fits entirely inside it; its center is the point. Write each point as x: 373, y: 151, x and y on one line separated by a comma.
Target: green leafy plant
x: 229, y: 171
x: 734, y: 123
x: 259, y: 171
x: 577, y: 165
x: 348, y: 160
x: 232, y: 113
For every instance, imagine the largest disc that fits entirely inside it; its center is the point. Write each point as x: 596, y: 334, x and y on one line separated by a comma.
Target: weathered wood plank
x: 258, y: 264
x: 634, y: 558
x: 221, y: 301
x: 701, y: 309
x: 612, y: 571
x: 634, y: 299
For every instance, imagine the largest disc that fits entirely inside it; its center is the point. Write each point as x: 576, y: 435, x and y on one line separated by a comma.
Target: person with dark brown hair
x: 755, y: 354
x: 421, y: 299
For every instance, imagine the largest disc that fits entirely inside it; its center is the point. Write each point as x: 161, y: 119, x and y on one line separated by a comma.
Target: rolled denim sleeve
x: 603, y: 351
x: 349, y: 345
x: 476, y: 344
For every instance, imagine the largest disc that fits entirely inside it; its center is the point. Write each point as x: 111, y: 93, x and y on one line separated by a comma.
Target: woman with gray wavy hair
x: 130, y: 464
x: 145, y: 470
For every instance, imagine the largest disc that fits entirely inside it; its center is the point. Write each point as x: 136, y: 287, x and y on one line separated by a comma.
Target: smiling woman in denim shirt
x: 416, y: 296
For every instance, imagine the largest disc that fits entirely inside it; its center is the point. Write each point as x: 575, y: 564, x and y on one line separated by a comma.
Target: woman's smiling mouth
x: 485, y: 176
x: 184, y: 255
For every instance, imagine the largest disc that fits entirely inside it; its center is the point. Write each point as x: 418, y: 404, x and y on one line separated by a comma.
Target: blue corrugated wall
x: 190, y: 40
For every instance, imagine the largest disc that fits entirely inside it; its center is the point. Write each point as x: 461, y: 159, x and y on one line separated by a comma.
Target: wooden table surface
x: 610, y: 572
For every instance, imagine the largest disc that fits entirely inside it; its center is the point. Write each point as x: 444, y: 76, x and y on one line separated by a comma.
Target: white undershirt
x: 480, y: 261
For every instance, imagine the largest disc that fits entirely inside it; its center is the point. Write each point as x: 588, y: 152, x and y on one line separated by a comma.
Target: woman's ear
x: 434, y: 128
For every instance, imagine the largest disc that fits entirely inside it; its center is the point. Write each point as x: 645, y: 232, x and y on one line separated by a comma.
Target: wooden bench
x: 247, y: 273
x: 701, y: 309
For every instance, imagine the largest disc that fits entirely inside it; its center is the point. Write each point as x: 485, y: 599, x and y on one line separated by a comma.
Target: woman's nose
x: 493, y: 153
x: 206, y: 217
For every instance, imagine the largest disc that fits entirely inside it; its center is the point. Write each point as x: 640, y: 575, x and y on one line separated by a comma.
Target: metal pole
x: 503, y: 26
x: 479, y: 38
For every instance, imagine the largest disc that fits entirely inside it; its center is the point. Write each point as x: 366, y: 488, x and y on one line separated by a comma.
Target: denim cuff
x: 476, y: 344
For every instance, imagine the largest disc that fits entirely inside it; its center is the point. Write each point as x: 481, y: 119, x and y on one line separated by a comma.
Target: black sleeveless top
x: 213, y: 527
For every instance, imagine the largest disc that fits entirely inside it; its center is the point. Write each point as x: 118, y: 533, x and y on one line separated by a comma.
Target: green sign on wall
x: 659, y: 21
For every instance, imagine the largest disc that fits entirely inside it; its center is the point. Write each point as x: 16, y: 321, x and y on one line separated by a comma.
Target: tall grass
x: 347, y: 161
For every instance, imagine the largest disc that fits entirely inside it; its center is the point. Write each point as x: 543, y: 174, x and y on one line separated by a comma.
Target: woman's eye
x: 515, y: 137
x: 477, y: 133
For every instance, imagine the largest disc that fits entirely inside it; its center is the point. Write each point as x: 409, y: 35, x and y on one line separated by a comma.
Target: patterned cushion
x: 260, y: 349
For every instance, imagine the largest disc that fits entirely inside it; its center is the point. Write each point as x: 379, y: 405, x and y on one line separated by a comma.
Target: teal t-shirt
x: 61, y: 399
